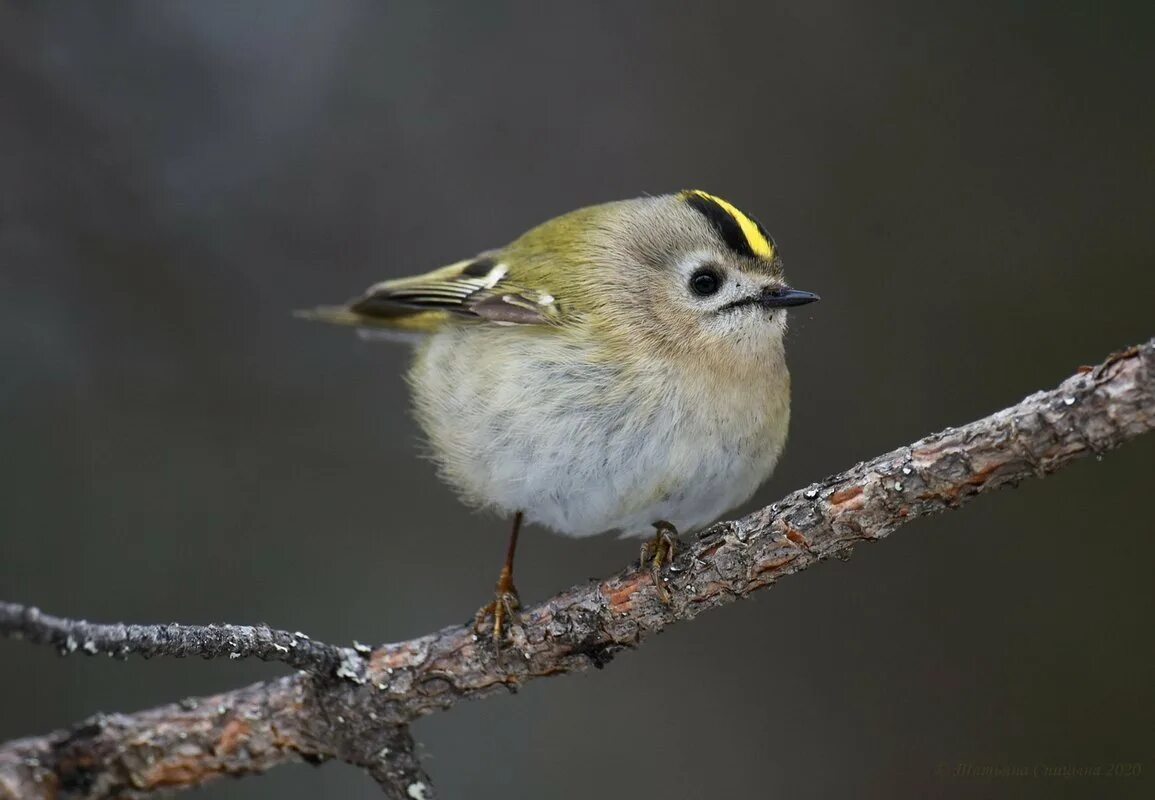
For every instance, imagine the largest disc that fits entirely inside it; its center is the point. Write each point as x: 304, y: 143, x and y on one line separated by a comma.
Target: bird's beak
x: 784, y: 296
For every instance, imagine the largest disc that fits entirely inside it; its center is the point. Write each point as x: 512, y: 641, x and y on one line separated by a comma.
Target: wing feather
x: 478, y: 288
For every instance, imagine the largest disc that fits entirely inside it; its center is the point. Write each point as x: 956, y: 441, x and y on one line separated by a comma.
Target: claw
x: 502, y: 610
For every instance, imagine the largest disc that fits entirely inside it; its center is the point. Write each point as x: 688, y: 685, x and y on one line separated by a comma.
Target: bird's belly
x: 582, y: 448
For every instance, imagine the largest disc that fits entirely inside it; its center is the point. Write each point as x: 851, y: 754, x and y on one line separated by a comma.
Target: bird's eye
x: 705, y: 281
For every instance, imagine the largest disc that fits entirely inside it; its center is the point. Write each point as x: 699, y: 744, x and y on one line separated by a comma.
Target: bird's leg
x: 659, y: 551
x: 505, y: 600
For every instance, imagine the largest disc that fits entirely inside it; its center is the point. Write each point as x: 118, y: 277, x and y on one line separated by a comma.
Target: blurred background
x: 969, y: 187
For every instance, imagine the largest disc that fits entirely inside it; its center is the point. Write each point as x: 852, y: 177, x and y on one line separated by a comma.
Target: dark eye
x: 705, y: 281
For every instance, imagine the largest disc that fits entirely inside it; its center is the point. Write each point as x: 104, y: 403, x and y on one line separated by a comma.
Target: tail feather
x: 334, y: 315
x: 406, y: 326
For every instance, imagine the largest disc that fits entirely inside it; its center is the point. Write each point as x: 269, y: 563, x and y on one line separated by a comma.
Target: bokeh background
x: 969, y: 187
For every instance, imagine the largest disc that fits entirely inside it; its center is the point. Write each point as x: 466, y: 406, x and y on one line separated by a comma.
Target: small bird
x: 617, y: 368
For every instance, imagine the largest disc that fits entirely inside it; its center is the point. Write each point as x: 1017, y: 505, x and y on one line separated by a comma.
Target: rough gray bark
x: 207, y: 641
x: 356, y: 704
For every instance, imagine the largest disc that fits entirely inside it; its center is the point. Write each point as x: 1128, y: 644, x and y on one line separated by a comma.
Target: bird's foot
x: 502, y: 611
x: 659, y: 552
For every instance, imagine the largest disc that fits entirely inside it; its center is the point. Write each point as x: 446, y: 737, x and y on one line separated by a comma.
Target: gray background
x: 969, y: 188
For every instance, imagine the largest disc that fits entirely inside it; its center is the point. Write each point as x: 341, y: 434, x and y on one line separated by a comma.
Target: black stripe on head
x: 723, y: 222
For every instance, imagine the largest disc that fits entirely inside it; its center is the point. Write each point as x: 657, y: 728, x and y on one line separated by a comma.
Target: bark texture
x: 355, y: 704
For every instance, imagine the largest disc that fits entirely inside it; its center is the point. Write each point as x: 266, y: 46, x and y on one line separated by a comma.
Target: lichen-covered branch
x: 207, y: 641
x: 359, y: 709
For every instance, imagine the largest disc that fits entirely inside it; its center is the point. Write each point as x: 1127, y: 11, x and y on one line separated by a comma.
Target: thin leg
x: 505, y: 600
x: 505, y: 594
x: 659, y: 551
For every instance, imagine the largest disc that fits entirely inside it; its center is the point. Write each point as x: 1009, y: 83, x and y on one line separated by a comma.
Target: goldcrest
x: 617, y: 368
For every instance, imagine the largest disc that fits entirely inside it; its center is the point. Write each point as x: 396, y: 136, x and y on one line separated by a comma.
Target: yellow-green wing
x: 479, y: 288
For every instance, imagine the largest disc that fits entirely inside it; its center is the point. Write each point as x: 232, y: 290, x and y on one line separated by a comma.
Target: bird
x: 618, y: 368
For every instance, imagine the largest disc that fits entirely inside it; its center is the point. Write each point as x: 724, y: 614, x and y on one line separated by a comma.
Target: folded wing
x: 479, y: 288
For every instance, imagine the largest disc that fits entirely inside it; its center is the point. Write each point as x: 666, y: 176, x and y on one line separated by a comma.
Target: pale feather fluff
x: 583, y: 446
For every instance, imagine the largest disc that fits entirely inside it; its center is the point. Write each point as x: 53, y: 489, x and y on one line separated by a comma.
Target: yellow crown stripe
x: 750, y: 229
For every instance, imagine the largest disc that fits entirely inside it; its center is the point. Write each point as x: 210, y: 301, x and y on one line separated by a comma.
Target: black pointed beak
x: 784, y: 296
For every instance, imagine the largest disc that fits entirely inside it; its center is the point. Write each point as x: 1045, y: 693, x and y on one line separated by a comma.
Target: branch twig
x: 357, y: 707
x: 207, y: 641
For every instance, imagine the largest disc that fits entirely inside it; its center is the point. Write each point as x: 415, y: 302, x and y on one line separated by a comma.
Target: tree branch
x: 207, y: 641
x: 356, y: 705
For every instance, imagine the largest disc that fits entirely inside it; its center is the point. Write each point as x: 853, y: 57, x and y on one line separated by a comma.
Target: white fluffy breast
x: 529, y: 420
